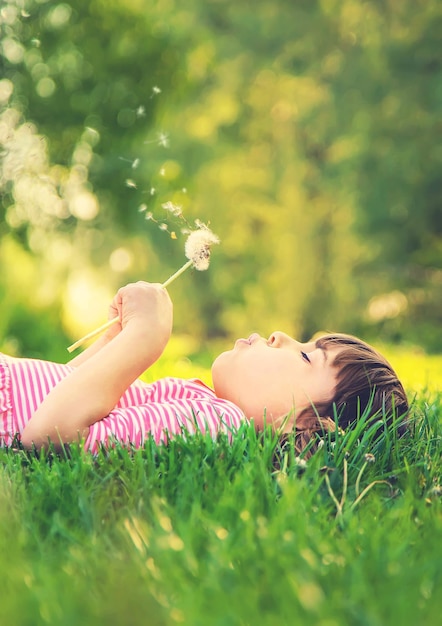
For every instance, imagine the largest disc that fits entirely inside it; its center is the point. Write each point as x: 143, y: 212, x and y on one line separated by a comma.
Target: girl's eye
x: 305, y: 357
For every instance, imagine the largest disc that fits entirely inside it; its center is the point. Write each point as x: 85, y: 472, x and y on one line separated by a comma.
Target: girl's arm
x: 93, y: 388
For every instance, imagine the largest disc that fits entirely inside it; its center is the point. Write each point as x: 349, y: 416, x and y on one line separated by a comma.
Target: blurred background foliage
x: 303, y: 131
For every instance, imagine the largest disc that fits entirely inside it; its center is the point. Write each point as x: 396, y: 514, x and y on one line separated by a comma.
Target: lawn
x: 212, y: 533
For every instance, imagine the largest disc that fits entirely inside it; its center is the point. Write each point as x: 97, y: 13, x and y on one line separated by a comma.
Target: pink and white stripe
x: 160, y: 410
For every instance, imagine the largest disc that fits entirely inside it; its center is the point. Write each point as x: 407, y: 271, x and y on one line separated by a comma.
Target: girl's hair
x: 366, y: 385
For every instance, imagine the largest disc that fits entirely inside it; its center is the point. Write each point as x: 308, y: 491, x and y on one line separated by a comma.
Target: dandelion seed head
x: 302, y: 463
x: 369, y: 458
x: 197, y: 247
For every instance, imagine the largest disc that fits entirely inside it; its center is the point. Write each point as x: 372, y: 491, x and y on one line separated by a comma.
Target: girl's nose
x: 278, y: 339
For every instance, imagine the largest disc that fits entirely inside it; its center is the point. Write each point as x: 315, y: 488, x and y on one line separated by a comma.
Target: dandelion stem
x: 109, y: 323
x: 358, y: 479
x: 92, y: 334
x: 177, y: 273
x: 367, y: 489
x: 345, y: 485
x: 333, y: 497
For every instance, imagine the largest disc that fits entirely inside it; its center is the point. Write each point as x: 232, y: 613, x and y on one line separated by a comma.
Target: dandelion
x: 197, y: 247
x: 301, y: 463
x: 197, y: 251
x: 130, y: 183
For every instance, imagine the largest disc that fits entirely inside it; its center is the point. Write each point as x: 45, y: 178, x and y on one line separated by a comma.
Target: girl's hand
x: 145, y: 304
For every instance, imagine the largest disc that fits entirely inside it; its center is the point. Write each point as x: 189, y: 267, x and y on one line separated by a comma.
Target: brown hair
x: 366, y: 385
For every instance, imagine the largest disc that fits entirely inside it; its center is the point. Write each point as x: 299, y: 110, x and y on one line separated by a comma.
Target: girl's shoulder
x: 171, y: 388
x: 188, y: 390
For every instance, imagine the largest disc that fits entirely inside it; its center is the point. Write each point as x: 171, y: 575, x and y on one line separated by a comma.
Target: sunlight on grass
x: 416, y: 369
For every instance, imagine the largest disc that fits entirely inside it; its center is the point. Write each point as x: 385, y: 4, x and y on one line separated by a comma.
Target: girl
x: 99, y: 398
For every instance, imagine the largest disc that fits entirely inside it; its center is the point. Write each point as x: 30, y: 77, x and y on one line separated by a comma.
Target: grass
x: 209, y: 533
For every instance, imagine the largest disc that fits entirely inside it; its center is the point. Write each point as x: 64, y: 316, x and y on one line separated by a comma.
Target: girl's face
x: 272, y: 378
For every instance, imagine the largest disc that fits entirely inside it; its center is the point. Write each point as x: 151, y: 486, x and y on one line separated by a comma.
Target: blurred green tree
x: 303, y: 131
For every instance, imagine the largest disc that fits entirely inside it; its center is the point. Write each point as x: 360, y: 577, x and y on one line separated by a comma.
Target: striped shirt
x: 160, y: 410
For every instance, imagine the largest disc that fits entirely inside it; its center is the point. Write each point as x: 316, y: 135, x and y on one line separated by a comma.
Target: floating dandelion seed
x: 36, y: 42
x: 152, y: 191
x: 156, y: 90
x: 196, y: 249
x: 163, y: 226
x: 149, y: 215
x: 163, y: 140
x: 24, y: 13
x: 140, y: 111
x: 142, y: 208
x: 162, y: 171
x: 131, y: 183
x: 133, y: 163
x: 175, y: 209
